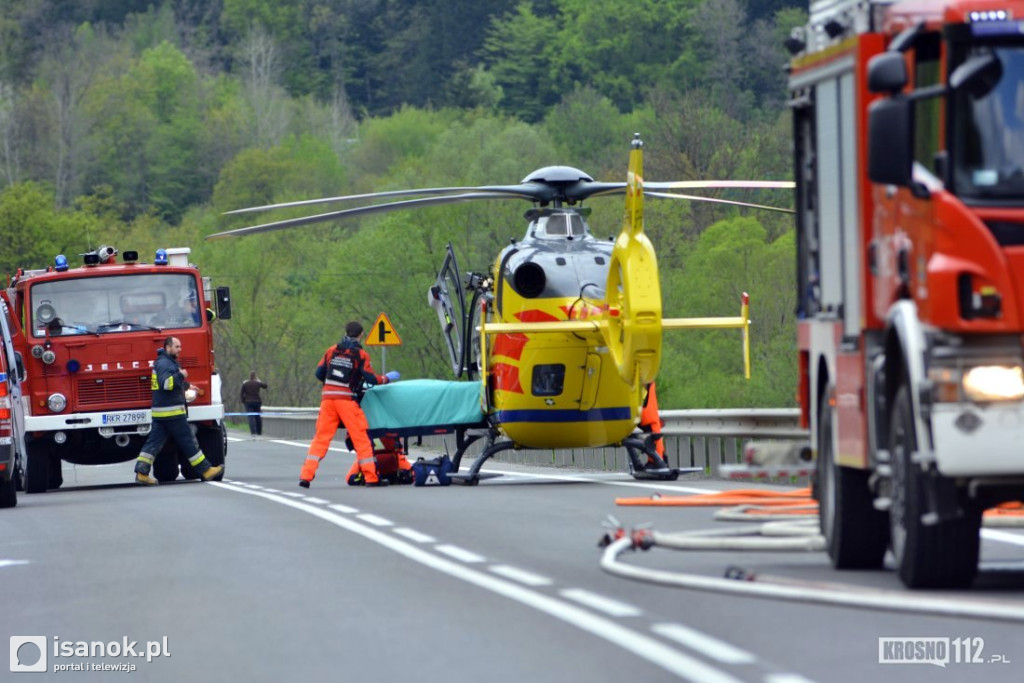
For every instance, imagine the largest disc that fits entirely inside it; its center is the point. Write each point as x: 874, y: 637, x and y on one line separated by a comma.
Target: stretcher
x: 430, y: 407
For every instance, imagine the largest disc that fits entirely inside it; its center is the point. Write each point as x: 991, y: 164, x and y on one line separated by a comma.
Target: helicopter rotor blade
x: 586, y: 190
x: 529, y: 190
x: 670, y: 195
x: 366, y: 211
x: 711, y: 184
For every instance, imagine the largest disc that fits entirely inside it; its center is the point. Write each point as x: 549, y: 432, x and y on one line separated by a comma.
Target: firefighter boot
x: 213, y: 472
x: 145, y: 479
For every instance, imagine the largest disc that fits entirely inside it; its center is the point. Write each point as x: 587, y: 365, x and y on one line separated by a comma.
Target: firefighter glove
x: 393, y: 375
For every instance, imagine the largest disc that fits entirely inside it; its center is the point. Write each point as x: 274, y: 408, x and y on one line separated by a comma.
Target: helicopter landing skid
x: 645, y: 464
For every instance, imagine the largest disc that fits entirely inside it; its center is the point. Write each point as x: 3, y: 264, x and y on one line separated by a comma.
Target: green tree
x: 704, y: 369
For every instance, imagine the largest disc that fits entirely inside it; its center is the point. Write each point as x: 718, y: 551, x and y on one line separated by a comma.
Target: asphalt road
x: 257, y: 579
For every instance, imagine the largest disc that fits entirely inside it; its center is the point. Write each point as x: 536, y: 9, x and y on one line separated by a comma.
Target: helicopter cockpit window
x: 548, y: 379
x: 560, y: 225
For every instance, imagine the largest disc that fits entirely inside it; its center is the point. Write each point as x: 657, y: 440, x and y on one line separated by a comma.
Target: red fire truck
x: 12, y: 415
x: 909, y: 161
x: 87, y: 338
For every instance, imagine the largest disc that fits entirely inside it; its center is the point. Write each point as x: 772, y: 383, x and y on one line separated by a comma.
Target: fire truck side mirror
x: 891, y: 141
x: 887, y: 73
x: 224, y: 303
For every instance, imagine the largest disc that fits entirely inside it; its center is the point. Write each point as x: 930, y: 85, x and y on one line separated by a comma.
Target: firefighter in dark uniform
x: 344, y: 369
x: 170, y: 417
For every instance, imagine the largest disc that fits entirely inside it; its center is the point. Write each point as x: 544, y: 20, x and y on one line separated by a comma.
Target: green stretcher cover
x: 422, y: 406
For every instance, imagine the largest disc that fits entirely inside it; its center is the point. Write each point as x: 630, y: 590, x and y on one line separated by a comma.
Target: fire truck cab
x: 909, y: 161
x: 88, y: 337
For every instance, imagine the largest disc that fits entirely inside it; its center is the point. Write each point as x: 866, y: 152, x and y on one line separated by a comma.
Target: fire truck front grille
x: 115, y: 391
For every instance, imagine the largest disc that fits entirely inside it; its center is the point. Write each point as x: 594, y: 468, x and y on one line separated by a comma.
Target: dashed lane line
x: 609, y: 606
x: 414, y: 535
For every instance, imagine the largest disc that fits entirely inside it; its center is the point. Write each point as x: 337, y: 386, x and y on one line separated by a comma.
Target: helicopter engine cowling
x: 529, y: 280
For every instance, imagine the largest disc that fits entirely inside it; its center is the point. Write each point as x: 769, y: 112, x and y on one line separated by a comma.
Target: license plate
x: 124, y: 418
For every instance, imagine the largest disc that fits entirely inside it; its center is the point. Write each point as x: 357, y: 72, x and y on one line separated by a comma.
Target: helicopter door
x: 446, y: 298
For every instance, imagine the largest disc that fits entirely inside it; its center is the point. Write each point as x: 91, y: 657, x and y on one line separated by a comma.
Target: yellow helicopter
x: 576, y: 321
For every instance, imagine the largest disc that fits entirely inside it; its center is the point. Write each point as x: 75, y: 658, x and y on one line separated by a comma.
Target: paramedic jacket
x: 336, y: 389
x: 168, y: 385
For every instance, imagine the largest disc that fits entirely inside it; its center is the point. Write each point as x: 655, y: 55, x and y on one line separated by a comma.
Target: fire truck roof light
x: 60, y: 263
x: 129, y: 256
x: 989, y: 15
x: 161, y: 257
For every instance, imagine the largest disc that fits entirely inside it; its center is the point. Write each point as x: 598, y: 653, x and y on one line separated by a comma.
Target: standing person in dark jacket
x: 253, y: 403
x: 170, y: 417
x: 343, y: 370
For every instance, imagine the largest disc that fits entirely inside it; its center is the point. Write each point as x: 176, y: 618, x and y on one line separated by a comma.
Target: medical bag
x: 433, y: 472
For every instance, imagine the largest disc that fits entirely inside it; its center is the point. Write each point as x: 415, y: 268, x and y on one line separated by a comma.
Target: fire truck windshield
x: 114, y: 303
x: 988, y: 135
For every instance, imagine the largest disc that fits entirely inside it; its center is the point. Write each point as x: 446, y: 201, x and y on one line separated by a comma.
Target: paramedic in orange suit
x: 391, y: 462
x: 343, y: 370
x: 650, y: 419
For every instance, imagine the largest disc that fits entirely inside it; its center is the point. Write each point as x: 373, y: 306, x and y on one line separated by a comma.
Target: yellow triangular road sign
x: 382, y: 333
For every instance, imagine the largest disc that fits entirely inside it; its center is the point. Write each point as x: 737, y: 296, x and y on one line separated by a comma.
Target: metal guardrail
x: 693, y: 438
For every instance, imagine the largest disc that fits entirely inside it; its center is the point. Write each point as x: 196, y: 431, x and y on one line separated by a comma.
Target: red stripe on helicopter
x: 510, y: 345
x: 535, y: 315
x: 581, y: 311
x: 506, y: 377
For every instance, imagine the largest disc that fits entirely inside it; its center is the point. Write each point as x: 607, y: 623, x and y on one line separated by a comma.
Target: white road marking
x: 414, y: 535
x: 786, y: 678
x: 12, y: 563
x: 521, y: 575
x: 600, y: 602
x: 290, y: 443
x: 318, y: 501
x: 705, y: 644
x: 343, y: 508
x: 640, y: 644
x: 375, y: 520
x: 460, y: 554
x: 293, y: 494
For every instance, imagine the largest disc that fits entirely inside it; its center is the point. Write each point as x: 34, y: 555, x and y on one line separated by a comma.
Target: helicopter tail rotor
x: 634, y: 290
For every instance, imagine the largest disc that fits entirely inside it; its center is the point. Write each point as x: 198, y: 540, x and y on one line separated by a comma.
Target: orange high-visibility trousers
x: 344, y: 411
x: 650, y: 419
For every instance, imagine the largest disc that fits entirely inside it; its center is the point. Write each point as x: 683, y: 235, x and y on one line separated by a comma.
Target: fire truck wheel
x: 941, y: 555
x: 56, y: 472
x: 213, y: 442
x: 37, y: 467
x: 8, y: 493
x: 855, y: 533
x: 165, y: 467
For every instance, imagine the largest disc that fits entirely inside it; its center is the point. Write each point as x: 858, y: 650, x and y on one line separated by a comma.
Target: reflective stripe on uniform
x: 196, y: 459
x: 169, y: 383
x: 372, y: 459
x: 147, y: 458
x: 168, y: 411
x: 318, y: 458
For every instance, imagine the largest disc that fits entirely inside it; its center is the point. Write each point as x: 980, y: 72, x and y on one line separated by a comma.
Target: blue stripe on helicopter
x: 595, y: 415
